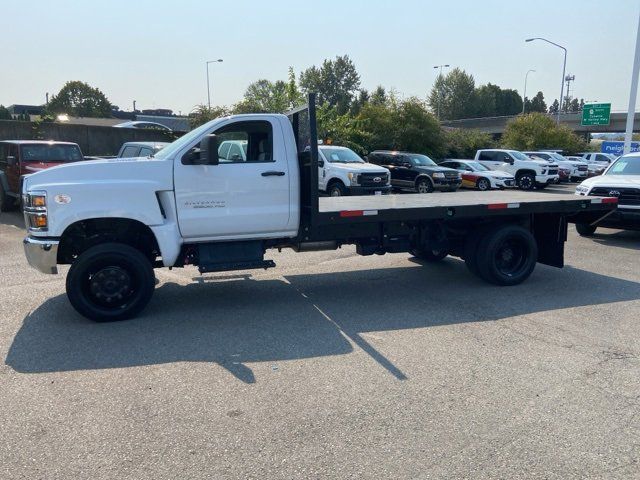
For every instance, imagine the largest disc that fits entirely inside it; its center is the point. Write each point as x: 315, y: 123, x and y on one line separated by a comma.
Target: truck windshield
x: 421, y: 161
x: 340, y: 155
x: 184, y: 140
x: 51, y: 152
x: 625, y: 166
x: 519, y: 155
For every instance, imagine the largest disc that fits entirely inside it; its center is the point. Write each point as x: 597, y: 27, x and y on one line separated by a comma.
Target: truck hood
x: 101, y: 172
x: 358, y: 167
x: 622, y: 181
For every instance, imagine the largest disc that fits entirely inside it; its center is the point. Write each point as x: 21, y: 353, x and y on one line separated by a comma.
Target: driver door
x: 246, y: 195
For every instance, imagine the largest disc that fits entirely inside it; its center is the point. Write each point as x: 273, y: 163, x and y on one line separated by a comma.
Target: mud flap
x: 550, y: 232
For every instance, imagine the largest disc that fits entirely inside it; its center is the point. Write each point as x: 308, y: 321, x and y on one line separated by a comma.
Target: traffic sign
x: 596, y: 114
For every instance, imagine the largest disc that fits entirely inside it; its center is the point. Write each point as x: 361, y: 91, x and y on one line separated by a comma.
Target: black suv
x: 416, y: 171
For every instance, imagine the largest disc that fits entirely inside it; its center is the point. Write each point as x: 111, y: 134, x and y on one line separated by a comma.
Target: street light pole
x: 208, y: 89
x: 524, y: 96
x: 631, y: 112
x: 439, y: 90
x: 564, y: 67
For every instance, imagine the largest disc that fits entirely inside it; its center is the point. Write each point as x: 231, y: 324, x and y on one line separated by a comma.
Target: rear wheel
x: 483, y: 184
x: 337, y: 189
x: 429, y: 255
x: 507, y: 256
x: 110, y: 282
x: 586, y: 230
x: 526, y: 181
x: 424, y: 185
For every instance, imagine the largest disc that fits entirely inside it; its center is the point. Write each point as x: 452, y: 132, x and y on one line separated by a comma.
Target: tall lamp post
x: 524, y: 95
x: 439, y: 92
x: 208, y: 88
x: 564, y: 67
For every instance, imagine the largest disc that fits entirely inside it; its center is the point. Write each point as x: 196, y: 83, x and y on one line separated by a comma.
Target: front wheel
x: 110, y: 282
x: 526, y: 181
x: 424, y: 185
x: 337, y: 189
x: 483, y: 184
x: 585, y: 230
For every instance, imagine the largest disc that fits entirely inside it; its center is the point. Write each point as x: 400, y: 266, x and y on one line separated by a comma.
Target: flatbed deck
x: 454, y: 205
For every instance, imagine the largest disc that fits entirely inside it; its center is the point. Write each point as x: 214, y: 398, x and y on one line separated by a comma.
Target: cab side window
x: 487, y: 156
x: 245, y: 142
x: 130, y: 151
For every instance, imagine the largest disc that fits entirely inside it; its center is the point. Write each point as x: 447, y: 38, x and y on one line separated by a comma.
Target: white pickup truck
x: 343, y: 172
x: 116, y: 220
x: 529, y: 173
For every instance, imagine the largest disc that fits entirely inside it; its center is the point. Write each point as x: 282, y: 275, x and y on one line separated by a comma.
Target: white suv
x: 529, y: 173
x: 620, y: 180
x: 577, y: 170
x: 342, y: 172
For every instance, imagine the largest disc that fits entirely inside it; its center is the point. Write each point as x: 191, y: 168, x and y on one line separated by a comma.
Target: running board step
x: 220, y: 257
x: 225, y: 267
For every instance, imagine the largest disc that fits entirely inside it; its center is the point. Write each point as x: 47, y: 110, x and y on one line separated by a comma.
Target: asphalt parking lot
x: 329, y: 366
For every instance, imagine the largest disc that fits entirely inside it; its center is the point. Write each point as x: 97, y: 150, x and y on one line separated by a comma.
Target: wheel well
x: 519, y: 173
x: 420, y: 177
x: 483, y: 178
x: 334, y: 181
x: 84, y: 234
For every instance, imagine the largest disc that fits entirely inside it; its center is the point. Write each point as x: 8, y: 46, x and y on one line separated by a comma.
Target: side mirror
x: 209, y: 150
x: 320, y: 163
x: 406, y: 164
x: 11, y: 160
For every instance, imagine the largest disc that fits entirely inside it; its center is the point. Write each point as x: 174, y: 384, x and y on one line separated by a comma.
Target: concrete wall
x: 93, y: 140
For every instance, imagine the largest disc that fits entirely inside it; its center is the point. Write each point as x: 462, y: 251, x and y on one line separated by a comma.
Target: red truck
x: 23, y: 157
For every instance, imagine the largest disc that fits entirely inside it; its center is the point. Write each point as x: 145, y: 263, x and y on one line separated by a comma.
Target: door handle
x: 272, y: 173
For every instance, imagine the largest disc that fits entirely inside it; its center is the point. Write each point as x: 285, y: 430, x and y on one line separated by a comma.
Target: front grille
x: 627, y: 196
x: 373, y: 179
x: 553, y: 171
x: 451, y: 175
x: 582, y: 168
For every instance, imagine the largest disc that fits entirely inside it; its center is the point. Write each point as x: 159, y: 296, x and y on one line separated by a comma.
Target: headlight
x: 438, y: 175
x: 35, y: 210
x: 353, y: 178
x: 581, y: 189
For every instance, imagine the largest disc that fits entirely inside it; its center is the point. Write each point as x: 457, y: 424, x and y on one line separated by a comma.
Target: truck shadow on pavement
x: 232, y: 323
x: 622, y: 238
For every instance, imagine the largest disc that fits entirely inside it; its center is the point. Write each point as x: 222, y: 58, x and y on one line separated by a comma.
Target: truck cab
x: 25, y: 157
x: 528, y: 172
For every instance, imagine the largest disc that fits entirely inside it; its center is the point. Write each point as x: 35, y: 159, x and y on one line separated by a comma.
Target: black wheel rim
x: 511, y: 257
x: 113, y: 286
x: 526, y: 182
x: 483, y: 184
x: 423, y: 186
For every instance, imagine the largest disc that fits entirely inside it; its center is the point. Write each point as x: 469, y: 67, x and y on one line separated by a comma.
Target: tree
x: 453, y: 95
x: 264, y: 96
x: 379, y: 96
x: 537, y: 130
x: 4, y: 113
x: 79, y: 99
x: 537, y: 104
x: 202, y: 114
x: 294, y: 96
x: 553, y: 108
x: 336, y: 82
x: 493, y: 101
x: 462, y: 143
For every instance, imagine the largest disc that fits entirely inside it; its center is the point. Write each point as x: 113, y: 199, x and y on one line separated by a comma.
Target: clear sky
x: 154, y: 52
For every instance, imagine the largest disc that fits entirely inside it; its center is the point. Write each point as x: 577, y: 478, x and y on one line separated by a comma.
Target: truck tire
x: 483, y: 184
x: 7, y: 202
x: 337, y: 189
x: 586, y: 230
x: 110, y: 282
x: 526, y: 181
x: 424, y: 185
x: 507, y: 256
x: 429, y: 255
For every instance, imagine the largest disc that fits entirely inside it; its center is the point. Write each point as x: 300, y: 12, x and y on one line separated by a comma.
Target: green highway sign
x: 596, y: 114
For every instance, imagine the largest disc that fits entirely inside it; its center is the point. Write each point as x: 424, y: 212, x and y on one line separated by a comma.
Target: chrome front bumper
x: 42, y: 254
